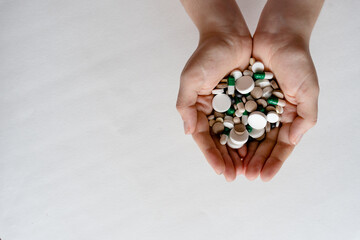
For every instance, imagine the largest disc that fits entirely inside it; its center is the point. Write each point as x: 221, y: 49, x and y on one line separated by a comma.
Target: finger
x: 307, y: 109
x: 243, y: 151
x: 204, y: 105
x: 280, y: 153
x: 229, y: 172
x: 251, y: 148
x: 238, y: 164
x: 186, y: 103
x: 206, y: 144
x: 263, y: 151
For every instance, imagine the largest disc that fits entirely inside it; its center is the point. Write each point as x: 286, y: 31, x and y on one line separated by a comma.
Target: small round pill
x: 219, y: 119
x: 278, y: 93
x: 218, y: 128
x: 261, y: 102
x: 236, y: 74
x: 223, y: 139
x: 257, y: 67
x: 244, y: 119
x: 270, y: 108
x: 256, y: 92
x: 250, y: 106
x: 272, y: 117
x: 257, y: 120
x: 221, y: 102
x: 267, y: 92
x: 255, y: 133
x: 245, y: 84
x: 239, y: 128
x: 222, y: 85
x: 277, y: 124
x: 238, y: 138
x: 236, y: 120
x: 279, y: 109
x: 218, y: 114
x: 248, y: 73
x: 252, y: 61
x: 210, y: 117
x: 274, y: 84
x: 231, y: 144
x: 212, y: 122
x: 229, y: 124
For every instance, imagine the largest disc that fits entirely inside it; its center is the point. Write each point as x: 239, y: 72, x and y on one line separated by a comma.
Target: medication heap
x: 248, y: 103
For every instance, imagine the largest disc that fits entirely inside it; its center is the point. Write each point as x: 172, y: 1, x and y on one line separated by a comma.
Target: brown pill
x: 222, y: 85
x: 278, y: 93
x: 250, y: 106
x: 274, y: 84
x: 270, y: 108
x: 257, y: 92
x: 239, y: 128
x: 212, y: 122
x: 262, y: 102
x: 217, y: 114
x: 218, y: 128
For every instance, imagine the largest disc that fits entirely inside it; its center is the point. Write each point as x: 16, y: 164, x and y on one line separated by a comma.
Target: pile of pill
x: 246, y: 104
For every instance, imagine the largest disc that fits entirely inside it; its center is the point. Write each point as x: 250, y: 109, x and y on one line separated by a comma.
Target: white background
x: 91, y: 145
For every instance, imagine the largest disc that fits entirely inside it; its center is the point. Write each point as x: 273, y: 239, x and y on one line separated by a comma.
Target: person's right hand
x: 216, y: 55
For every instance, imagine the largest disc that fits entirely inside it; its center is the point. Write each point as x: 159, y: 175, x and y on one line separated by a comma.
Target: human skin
x: 225, y: 44
x: 281, y: 42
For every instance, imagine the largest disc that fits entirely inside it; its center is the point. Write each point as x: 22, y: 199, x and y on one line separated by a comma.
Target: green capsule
x: 226, y: 131
x: 249, y: 128
x: 230, y: 111
x: 259, y: 75
x: 273, y: 100
x: 231, y: 81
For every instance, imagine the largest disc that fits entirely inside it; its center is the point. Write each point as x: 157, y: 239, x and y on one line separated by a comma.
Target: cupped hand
x: 216, y: 55
x: 288, y: 57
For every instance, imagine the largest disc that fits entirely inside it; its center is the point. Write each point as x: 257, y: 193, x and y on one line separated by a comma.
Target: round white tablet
x: 257, y: 120
x: 256, y: 133
x: 238, y: 138
x: 245, y: 84
x: 258, y: 67
x: 272, y: 117
x: 228, y: 123
x: 233, y: 145
x: 236, y: 74
x: 221, y: 102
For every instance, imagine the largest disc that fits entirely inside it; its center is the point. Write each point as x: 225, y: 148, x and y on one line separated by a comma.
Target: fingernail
x: 298, y: 139
x: 186, y: 128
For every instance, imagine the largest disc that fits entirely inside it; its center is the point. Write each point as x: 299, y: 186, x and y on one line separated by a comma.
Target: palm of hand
x: 289, y: 59
x: 211, y: 61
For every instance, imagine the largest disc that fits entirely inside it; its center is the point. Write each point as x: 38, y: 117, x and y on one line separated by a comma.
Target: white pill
x: 257, y: 120
x: 229, y: 124
x: 245, y: 84
x: 258, y: 67
x: 217, y: 91
x: 231, y: 90
x: 233, y: 145
x: 272, y: 117
x: 262, y: 83
x: 236, y: 74
x: 221, y: 103
x: 236, y: 120
x: 223, y: 139
x: 238, y: 138
x: 267, y: 92
x: 252, y: 61
x: 244, y: 119
x: 238, y: 113
x: 256, y: 133
x: 248, y: 73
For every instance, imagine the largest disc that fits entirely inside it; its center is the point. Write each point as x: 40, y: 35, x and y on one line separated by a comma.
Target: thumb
x: 307, y: 109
